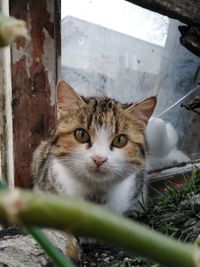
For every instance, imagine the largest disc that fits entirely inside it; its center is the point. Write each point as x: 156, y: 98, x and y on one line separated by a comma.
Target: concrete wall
x: 98, y: 60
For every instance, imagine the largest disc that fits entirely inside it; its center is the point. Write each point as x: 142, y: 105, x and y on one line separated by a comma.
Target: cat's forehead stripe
x: 92, y: 113
x: 116, y: 119
x: 102, y: 111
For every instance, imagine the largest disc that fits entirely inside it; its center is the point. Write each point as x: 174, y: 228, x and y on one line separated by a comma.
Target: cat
x: 96, y: 152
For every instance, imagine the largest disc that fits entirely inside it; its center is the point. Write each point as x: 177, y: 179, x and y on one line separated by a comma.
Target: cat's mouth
x: 97, y: 170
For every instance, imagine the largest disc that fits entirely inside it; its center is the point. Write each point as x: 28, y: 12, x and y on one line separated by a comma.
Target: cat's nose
x: 99, y: 160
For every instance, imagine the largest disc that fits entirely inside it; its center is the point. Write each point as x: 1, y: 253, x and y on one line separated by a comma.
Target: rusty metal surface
x: 34, y: 76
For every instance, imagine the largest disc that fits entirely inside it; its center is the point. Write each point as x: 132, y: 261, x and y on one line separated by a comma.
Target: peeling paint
x: 50, y: 63
x: 41, y: 20
x: 34, y: 74
x: 50, y: 7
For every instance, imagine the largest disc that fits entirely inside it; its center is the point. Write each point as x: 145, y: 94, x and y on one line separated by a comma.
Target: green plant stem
x: 56, y: 256
x: 88, y: 219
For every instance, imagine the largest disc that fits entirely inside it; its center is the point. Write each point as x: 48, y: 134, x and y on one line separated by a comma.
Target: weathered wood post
x: 6, y: 124
x: 35, y: 70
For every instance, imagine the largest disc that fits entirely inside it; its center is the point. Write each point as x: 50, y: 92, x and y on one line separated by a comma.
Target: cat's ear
x: 66, y: 96
x: 144, y: 109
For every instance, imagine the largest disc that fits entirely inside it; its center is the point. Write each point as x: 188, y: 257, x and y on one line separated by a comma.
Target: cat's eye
x: 82, y: 136
x: 119, y: 141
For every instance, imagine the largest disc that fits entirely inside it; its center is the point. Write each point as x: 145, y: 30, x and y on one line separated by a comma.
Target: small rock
x: 106, y: 259
x: 126, y: 259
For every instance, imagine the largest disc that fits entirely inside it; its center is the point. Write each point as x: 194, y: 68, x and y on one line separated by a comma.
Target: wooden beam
x: 190, y: 38
x: 34, y: 77
x: 173, y: 175
x: 183, y: 10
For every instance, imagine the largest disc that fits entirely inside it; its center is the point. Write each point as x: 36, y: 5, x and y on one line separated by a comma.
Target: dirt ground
x: 103, y: 255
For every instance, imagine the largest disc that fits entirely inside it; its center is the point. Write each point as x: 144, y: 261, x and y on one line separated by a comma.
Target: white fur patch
x: 119, y: 197
x: 69, y: 185
x: 101, y: 145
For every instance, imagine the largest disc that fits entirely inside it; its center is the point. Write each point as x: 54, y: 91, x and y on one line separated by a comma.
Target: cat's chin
x: 99, y: 175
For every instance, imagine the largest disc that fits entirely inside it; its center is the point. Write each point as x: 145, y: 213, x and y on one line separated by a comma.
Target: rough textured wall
x: 34, y: 76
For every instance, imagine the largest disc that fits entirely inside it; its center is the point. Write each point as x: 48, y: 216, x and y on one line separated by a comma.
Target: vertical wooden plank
x: 6, y: 126
x: 34, y: 77
x: 3, y: 169
x: 2, y: 122
x: 6, y: 123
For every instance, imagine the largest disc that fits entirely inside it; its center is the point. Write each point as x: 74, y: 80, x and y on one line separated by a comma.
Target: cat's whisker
x: 149, y: 168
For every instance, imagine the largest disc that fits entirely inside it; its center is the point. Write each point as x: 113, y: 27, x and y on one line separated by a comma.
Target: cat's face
x: 99, y: 139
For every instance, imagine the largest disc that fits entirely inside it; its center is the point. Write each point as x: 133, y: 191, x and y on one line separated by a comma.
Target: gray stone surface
x: 18, y: 249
